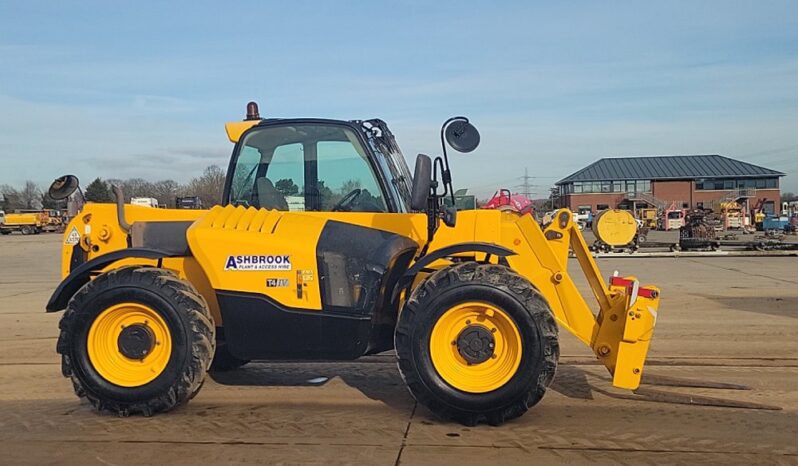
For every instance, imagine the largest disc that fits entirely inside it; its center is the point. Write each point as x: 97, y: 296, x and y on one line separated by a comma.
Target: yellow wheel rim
x: 108, y: 357
x: 452, y: 366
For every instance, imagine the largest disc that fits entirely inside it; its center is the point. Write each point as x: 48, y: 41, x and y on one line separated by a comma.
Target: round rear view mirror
x: 63, y: 187
x: 462, y: 136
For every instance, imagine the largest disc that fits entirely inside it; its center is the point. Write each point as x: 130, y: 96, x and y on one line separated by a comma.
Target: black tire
x: 26, y: 230
x: 505, y: 289
x: 190, y: 326
x: 5, y: 232
x: 223, y: 359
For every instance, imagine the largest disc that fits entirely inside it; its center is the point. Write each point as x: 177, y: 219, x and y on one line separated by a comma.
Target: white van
x: 145, y: 201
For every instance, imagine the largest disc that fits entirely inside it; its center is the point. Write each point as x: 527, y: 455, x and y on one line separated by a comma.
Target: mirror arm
x: 446, y: 174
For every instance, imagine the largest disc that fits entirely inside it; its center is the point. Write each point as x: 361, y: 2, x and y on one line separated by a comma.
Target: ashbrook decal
x: 270, y: 262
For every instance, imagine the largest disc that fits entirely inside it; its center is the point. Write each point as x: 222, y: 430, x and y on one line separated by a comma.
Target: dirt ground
x: 730, y: 320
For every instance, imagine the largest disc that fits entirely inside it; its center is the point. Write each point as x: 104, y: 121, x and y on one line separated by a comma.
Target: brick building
x: 688, y: 181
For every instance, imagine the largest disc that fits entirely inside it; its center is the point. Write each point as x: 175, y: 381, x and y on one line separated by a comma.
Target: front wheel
x: 136, y: 340
x: 477, y: 343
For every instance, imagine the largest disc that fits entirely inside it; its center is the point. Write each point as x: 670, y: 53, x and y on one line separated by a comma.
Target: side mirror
x: 422, y: 181
x: 462, y: 136
x: 63, y: 187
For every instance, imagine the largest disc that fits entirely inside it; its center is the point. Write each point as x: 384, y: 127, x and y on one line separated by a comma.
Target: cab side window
x: 345, y: 172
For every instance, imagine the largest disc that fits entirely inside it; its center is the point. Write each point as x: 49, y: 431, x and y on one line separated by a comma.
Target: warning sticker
x: 276, y: 282
x: 73, y: 237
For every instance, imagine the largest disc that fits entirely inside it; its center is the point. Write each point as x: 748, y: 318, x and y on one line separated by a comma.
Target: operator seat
x: 268, y: 196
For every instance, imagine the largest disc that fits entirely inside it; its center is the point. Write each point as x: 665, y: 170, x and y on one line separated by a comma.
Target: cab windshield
x: 306, y: 167
x: 391, y: 160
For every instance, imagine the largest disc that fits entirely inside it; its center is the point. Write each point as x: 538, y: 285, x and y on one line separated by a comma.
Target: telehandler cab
x: 325, y: 247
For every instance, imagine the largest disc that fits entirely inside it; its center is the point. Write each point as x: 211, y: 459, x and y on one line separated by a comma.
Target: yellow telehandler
x: 324, y: 246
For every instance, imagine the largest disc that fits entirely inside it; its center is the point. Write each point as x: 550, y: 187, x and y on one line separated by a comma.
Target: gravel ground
x: 730, y: 320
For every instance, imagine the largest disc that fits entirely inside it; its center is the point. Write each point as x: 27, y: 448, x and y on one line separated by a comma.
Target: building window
x: 600, y: 207
x: 737, y: 183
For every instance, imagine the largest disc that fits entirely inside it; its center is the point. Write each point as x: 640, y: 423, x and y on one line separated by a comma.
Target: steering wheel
x: 346, y: 201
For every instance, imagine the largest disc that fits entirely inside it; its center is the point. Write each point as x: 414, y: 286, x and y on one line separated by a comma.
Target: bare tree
x: 11, y: 198
x: 31, y: 196
x: 208, y: 187
x: 133, y: 187
x: 165, y: 191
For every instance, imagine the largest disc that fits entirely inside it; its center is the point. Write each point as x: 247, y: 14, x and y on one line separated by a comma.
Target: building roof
x: 668, y: 167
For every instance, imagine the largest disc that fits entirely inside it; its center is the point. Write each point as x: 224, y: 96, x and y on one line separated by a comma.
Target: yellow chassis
x: 619, y: 333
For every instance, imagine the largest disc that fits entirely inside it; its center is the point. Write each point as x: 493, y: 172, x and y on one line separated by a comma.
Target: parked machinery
x: 698, y: 233
x: 471, y: 301
x: 504, y: 200
x: 188, y: 202
x: 732, y: 214
x: 673, y: 217
x: 648, y: 216
x: 615, y: 229
x: 31, y: 223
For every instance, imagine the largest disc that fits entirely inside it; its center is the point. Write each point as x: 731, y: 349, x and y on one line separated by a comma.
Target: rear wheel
x: 26, y: 230
x: 477, y: 343
x: 136, y: 340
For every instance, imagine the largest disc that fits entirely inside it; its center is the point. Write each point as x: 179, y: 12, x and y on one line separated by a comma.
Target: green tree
x: 327, y: 198
x: 97, y: 191
x: 287, y: 187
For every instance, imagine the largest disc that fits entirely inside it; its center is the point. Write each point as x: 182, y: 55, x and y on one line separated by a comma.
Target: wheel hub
x: 136, y: 341
x: 476, y: 344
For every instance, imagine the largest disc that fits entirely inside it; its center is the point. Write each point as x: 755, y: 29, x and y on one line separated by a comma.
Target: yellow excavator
x: 325, y: 246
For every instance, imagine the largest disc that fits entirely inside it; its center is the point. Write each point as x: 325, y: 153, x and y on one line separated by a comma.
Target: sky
x: 142, y: 89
